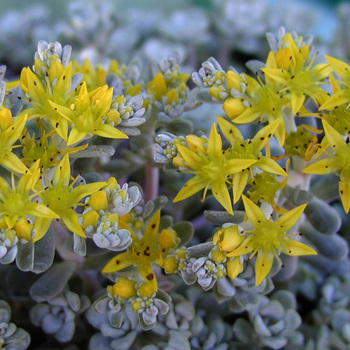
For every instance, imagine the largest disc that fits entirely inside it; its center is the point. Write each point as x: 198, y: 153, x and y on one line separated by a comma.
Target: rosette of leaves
x: 118, y: 326
x: 57, y: 316
x: 11, y: 337
x: 241, y: 293
x: 331, y: 318
x: 272, y: 323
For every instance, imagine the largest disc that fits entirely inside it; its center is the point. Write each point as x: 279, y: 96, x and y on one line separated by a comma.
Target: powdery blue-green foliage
x: 174, y: 178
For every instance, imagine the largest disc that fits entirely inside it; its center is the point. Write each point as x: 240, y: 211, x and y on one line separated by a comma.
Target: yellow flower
x: 44, y: 148
x: 210, y: 168
x: 299, y: 76
x: 10, y: 132
x: 57, y: 88
x: 16, y: 201
x: 268, y: 238
x: 94, y: 77
x: 145, y: 251
x: 62, y: 197
x: 88, y: 115
x: 340, y: 96
x: 258, y: 101
x: 338, y: 161
x: 248, y: 149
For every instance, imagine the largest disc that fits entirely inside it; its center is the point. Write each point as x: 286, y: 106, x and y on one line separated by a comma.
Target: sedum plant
x: 128, y: 222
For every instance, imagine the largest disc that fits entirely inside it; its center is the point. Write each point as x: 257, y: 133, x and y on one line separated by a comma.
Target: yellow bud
x: 217, y: 256
x: 167, y: 239
x: 172, y: 96
x: 112, y: 183
x: 5, y: 118
x: 124, y: 288
x: 181, y: 253
x: 214, y: 91
x: 24, y: 229
x: 90, y: 219
x: 113, y: 116
x: 178, y: 162
x: 233, y: 80
x: 233, y: 107
x: 228, y: 238
x: 169, y: 264
x: 145, y: 291
x: 136, y: 305
x: 233, y: 267
x: 98, y: 201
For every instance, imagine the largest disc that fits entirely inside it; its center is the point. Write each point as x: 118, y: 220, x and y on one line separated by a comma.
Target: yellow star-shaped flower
x: 269, y: 238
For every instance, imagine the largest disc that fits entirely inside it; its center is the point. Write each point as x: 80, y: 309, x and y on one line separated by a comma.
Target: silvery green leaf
x: 165, y: 222
x: 180, y: 126
x: 247, y: 299
x: 225, y: 288
x: 189, y: 278
x: 10, y: 255
x: 5, y: 311
x: 52, y: 282
x: 2, y: 91
x: 66, y: 332
x: 170, y: 321
x: 333, y: 247
x: 346, y: 332
x: 326, y: 187
x: 296, y: 196
x: 277, y: 327
x: 148, y: 209
x: 146, y: 326
x: 200, y: 250
x: 73, y: 301
x: 322, y: 216
x: 222, y: 217
x: 51, y: 323
x: 124, y: 343
x: 25, y: 256
x: 339, y: 319
x: 210, y: 341
x: 184, y: 230
x: 178, y: 341
x: 197, y: 325
x: 274, y: 342
x: 129, y: 131
x: 116, y: 319
x: 94, y: 151
x: 260, y: 327
x: 76, y: 79
x: 159, y: 203
x: 286, y: 298
x: 98, y: 341
x: 273, y: 310
x: 290, y: 268
x: 164, y: 296
x: 292, y: 321
x: 38, y: 312
x: 101, y: 304
x: 44, y: 252
x: 243, y: 330
x: 79, y: 245
x: 255, y: 67
x: 110, y: 331
x: 185, y: 309
x: 203, y: 96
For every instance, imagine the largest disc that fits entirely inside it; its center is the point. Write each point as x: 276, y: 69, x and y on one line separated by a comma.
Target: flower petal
x: 253, y: 212
x: 290, y: 218
x: 70, y: 219
x: 269, y: 165
x: 239, y: 182
x: 152, y: 227
x: 321, y: 167
x: 41, y: 225
x: 118, y: 263
x: 295, y: 248
x: 263, y: 264
x: 191, y: 187
x: 220, y: 192
x: 148, y: 275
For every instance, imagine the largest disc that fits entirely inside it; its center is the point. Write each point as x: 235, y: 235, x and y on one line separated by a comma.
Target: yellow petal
x: 291, y: 217
x: 344, y: 191
x: 245, y: 248
x: 149, y: 276
x: 70, y: 219
x: 190, y: 157
x: 41, y: 225
x: 253, y: 212
x: 191, y: 187
x: 152, y: 227
x: 263, y: 264
x: 334, y: 138
x: 296, y: 100
x: 295, y: 248
x: 220, y: 192
x: 321, y: 167
x: 75, y: 136
x: 214, y: 147
x: 263, y: 136
x: 230, y: 132
x: 341, y: 68
x: 233, y: 166
x: 61, y: 175
x: 109, y: 131
x: 239, y: 182
x: 269, y: 165
x: 118, y: 263
x: 12, y: 162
